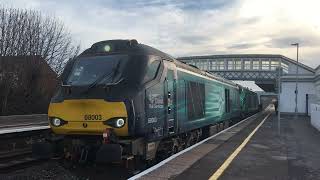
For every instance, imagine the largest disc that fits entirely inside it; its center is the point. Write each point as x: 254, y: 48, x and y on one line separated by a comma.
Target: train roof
x: 132, y: 46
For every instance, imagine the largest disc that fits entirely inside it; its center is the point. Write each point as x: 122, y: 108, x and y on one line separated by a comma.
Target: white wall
x: 287, y: 96
x: 317, y: 84
x: 313, y: 99
x: 292, y: 69
x: 315, y: 116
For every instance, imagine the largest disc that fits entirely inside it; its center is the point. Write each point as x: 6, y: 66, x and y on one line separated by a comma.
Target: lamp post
x: 279, y: 87
x: 296, y: 91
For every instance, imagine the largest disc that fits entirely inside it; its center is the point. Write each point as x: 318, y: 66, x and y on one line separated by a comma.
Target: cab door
x: 170, y: 97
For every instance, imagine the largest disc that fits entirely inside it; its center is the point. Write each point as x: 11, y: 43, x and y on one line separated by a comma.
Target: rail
x: 16, y: 144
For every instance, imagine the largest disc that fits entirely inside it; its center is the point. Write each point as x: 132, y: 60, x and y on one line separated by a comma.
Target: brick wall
x: 26, y: 85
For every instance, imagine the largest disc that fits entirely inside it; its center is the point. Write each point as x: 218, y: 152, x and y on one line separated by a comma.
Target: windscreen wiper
x: 104, y: 77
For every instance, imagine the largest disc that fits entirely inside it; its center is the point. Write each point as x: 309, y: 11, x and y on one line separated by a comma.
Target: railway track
x: 16, y: 160
x: 17, y: 139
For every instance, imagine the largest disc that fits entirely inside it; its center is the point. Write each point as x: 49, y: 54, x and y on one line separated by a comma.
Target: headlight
x: 118, y: 122
x: 56, y: 122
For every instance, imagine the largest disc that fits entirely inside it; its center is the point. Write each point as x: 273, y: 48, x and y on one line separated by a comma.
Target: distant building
x: 26, y: 85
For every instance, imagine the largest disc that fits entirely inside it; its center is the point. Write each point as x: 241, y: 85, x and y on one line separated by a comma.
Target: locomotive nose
x: 88, y: 116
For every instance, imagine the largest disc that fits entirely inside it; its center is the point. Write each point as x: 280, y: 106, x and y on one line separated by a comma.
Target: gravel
x: 53, y: 170
x: 43, y: 171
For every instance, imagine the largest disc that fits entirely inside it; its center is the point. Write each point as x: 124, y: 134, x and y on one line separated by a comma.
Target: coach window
x: 152, y: 70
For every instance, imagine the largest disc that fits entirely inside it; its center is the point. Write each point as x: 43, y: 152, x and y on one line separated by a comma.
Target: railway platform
x: 21, y: 123
x: 16, y: 135
x: 257, y: 148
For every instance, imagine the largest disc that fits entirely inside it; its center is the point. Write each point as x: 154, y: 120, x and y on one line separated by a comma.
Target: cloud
x: 187, y: 5
x: 306, y: 40
x: 242, y: 46
x: 189, y: 27
x: 194, y: 39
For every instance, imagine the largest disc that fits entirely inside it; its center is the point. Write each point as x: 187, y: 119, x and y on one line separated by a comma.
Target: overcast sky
x: 188, y: 27
x: 193, y: 27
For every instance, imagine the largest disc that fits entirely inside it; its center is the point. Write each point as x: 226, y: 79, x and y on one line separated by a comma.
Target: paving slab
x: 292, y: 154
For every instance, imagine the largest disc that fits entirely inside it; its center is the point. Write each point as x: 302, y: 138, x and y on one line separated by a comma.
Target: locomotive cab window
x: 152, y: 71
x: 100, y: 69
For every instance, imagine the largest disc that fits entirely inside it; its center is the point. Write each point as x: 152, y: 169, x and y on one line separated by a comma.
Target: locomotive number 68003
x: 92, y: 117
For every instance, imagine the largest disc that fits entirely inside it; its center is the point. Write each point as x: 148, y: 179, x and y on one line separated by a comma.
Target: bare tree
x: 28, y: 32
x: 31, y: 37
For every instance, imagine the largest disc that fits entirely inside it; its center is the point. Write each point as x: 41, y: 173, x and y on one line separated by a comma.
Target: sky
x: 188, y: 27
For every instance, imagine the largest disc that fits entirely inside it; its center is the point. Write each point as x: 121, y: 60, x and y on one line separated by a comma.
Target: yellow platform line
x: 225, y: 165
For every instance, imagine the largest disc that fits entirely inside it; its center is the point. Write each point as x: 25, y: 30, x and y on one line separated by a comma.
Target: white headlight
x: 56, y: 122
x: 120, y: 122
